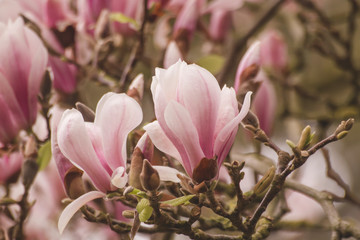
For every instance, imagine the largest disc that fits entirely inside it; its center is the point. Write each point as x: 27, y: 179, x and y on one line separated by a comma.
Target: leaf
x: 145, y: 213
x: 121, y: 18
x: 142, y: 204
x: 44, y: 155
x: 144, y: 209
x: 138, y: 193
x: 213, y: 63
x: 178, y: 201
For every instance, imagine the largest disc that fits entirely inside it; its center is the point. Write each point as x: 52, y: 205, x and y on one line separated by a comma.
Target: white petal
x: 179, y: 122
x: 119, y: 177
x: 168, y: 173
x: 74, y: 206
x: 116, y: 117
x: 160, y: 140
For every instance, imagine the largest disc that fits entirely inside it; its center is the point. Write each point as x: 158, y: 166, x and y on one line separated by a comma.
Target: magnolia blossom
x: 23, y: 60
x: 99, y: 148
x: 195, y: 118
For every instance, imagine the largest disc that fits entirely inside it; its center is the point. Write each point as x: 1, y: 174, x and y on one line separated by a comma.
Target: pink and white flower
x: 99, y: 148
x: 23, y: 60
x: 195, y: 118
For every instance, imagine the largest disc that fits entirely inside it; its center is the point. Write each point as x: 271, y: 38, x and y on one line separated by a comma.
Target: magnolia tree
x: 184, y: 119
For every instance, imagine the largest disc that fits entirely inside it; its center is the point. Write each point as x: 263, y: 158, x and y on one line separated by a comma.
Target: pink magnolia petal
x: 172, y: 54
x: 116, y: 117
x: 75, y: 144
x: 160, y: 140
x: 228, y: 109
x: 119, y: 177
x: 12, y: 104
x: 225, y: 138
x: 64, y: 75
x: 179, y: 122
x: 252, y: 56
x: 199, y: 92
x: 74, y: 206
x: 167, y: 173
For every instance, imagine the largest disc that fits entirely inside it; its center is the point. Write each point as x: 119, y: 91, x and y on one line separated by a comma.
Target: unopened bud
x: 344, y: 126
x: 136, y: 88
x: 87, y: 113
x: 206, y: 170
x: 261, y: 136
x: 46, y: 84
x: 30, y: 150
x: 305, y: 138
x: 262, y: 186
x: 29, y: 171
x: 341, y: 135
x: 284, y: 159
x: 251, y: 119
x: 129, y: 214
x: 73, y: 182
x: 149, y: 177
x: 291, y: 144
x: 136, y: 166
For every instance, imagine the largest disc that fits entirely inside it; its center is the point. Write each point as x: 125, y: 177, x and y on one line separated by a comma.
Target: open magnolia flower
x: 98, y: 148
x: 196, y: 120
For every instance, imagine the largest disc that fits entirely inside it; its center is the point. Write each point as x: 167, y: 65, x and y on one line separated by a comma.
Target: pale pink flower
x: 99, y: 148
x: 23, y: 60
x: 195, y: 118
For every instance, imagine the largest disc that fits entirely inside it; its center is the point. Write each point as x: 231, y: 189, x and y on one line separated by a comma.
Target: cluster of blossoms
x: 54, y: 54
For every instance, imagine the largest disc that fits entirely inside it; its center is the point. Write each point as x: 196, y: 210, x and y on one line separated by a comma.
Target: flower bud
x: 136, y: 88
x: 305, y: 138
x: 136, y: 168
x: 73, y: 183
x: 205, y: 171
x: 263, y: 185
x: 85, y: 111
x: 149, y: 177
x: 29, y: 171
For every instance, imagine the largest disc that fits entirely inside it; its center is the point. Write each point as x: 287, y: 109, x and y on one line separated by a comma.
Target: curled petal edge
x: 74, y: 206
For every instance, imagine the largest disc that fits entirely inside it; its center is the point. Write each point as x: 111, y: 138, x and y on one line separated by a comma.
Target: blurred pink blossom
x: 10, y: 164
x: 195, y: 118
x: 23, y: 60
x: 273, y: 53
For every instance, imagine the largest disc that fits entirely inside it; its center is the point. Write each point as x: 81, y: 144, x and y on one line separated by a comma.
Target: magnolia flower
x: 196, y: 120
x: 98, y: 148
x: 23, y: 60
